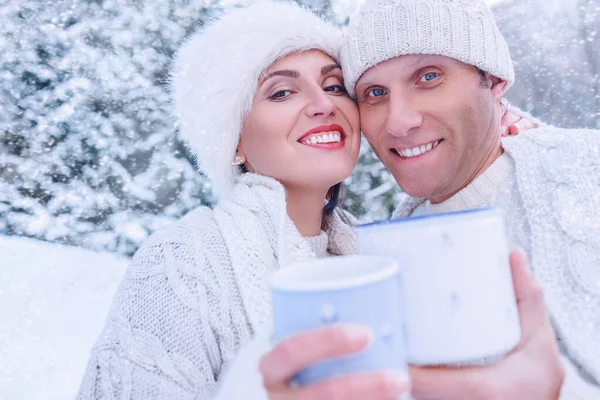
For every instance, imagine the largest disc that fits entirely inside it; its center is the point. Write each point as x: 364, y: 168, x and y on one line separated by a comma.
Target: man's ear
x: 498, y: 87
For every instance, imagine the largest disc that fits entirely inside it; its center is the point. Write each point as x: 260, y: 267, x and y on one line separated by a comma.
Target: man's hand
x: 292, y: 355
x: 532, y: 371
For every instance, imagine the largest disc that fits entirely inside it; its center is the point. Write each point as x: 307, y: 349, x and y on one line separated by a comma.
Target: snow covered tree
x: 88, y: 151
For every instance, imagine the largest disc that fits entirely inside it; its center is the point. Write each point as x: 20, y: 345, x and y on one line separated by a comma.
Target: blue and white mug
x: 350, y: 289
x: 459, y: 300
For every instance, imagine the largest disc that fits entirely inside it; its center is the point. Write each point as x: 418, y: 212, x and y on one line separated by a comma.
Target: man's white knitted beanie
x: 461, y: 29
x: 216, y: 72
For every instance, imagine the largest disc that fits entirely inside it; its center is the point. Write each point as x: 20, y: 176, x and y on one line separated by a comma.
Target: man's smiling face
x: 432, y: 120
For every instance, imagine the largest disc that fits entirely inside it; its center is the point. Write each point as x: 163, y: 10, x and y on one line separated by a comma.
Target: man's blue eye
x: 376, y: 93
x: 429, y: 76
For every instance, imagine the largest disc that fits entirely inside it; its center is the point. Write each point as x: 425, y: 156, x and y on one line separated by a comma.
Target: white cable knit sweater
x: 196, y: 292
x: 549, y: 183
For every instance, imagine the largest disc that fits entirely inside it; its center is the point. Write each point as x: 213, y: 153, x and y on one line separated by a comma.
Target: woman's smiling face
x: 302, y: 128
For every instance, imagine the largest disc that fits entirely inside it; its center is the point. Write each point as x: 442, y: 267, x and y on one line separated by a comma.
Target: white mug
x: 460, y: 305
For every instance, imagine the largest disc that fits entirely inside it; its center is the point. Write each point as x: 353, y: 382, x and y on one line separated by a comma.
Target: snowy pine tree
x: 88, y: 151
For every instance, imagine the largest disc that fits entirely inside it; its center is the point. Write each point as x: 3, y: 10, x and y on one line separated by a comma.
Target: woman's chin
x: 320, y: 184
x: 330, y: 179
x: 315, y: 176
x: 335, y: 174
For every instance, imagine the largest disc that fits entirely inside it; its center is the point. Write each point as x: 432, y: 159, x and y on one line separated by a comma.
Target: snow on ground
x: 53, y: 303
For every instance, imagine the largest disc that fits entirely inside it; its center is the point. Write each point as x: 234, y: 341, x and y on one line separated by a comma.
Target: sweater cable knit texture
x: 196, y: 291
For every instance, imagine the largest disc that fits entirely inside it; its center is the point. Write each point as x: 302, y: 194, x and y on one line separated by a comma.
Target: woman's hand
x: 295, y: 353
x: 515, y: 121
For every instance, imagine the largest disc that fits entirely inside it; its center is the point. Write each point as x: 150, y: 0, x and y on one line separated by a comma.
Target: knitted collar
x: 265, y: 238
x: 483, y: 191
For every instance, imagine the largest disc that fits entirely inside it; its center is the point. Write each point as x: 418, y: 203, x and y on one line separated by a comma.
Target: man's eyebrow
x: 419, y: 59
x: 328, y: 68
x: 283, y: 72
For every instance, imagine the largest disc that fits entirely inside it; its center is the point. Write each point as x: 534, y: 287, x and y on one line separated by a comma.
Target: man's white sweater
x: 552, y: 169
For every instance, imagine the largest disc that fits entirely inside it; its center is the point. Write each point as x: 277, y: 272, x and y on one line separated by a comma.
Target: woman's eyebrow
x: 295, y: 74
x: 284, y: 72
x: 328, y: 68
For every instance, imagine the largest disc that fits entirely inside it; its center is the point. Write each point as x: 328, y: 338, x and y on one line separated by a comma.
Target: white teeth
x: 417, y: 151
x: 329, y: 137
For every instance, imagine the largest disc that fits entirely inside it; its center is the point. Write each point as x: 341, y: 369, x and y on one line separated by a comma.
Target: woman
x: 260, y: 100
x: 268, y: 118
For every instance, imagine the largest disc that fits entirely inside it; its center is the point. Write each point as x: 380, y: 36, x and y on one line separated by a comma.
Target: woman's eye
x: 336, y: 89
x: 376, y: 93
x: 428, y: 77
x: 280, y: 95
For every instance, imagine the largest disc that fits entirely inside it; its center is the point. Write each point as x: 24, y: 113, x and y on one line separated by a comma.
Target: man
x: 428, y: 76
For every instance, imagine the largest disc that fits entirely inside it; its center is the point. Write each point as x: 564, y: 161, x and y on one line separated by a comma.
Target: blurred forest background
x: 89, y: 155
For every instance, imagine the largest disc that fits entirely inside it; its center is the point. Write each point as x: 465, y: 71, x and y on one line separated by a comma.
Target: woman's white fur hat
x: 216, y: 71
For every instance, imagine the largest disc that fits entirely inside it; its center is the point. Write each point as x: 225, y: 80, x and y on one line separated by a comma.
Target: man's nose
x: 403, y: 116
